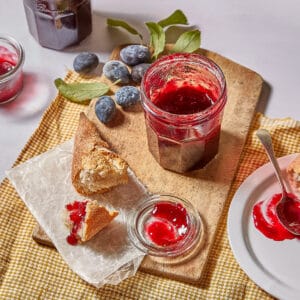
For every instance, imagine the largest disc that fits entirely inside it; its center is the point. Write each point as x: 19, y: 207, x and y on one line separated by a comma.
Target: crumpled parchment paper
x: 44, y: 184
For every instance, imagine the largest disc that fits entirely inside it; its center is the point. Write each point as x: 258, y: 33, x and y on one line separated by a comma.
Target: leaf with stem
x: 81, y: 92
x: 177, y: 17
x: 188, y: 42
x: 157, y: 38
x: 124, y: 25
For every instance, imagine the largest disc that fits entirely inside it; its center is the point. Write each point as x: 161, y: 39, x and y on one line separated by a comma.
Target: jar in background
x: 11, y: 69
x: 57, y: 24
x: 183, y: 97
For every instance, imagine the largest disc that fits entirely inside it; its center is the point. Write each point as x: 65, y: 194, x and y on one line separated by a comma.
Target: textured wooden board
x: 206, y: 188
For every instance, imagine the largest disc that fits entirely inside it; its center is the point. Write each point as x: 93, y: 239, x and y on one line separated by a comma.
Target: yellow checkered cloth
x: 31, y: 271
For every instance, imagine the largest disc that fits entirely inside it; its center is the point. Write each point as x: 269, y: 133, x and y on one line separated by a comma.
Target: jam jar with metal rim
x: 57, y: 24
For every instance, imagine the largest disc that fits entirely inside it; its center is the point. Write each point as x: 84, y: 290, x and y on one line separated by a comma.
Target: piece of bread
x: 85, y: 219
x: 293, y: 173
x: 95, y: 169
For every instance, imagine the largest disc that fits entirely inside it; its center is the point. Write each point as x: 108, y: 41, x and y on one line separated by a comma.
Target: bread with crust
x: 95, y: 169
x: 96, y: 218
x: 293, y: 173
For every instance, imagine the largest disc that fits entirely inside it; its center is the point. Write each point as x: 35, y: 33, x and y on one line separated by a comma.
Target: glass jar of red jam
x: 57, y: 24
x: 11, y: 69
x: 183, y: 96
x: 165, y: 226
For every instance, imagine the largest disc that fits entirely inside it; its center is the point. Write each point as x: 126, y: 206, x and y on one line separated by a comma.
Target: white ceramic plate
x: 274, y: 266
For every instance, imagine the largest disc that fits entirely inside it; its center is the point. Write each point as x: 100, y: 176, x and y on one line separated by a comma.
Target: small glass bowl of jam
x: 11, y: 69
x: 165, y: 226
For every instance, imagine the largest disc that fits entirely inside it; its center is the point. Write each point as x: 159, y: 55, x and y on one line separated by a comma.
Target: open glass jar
x: 165, y: 226
x: 11, y: 69
x: 183, y: 96
x: 58, y: 24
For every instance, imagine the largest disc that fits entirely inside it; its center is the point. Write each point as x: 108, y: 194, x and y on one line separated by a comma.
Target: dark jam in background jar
x: 57, y: 24
x: 183, y: 96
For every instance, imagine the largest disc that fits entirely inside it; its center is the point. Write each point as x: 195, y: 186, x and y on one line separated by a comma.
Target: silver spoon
x: 288, y: 208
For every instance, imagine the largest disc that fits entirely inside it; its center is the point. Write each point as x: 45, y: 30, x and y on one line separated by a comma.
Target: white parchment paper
x: 44, y: 184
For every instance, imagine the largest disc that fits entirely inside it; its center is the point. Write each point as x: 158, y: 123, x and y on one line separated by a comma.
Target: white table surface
x: 261, y: 35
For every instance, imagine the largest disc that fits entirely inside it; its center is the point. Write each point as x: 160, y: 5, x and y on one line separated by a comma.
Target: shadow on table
x: 264, y: 97
x: 104, y: 38
x: 34, y: 97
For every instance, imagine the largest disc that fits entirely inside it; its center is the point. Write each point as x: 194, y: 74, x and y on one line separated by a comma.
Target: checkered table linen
x: 31, y: 271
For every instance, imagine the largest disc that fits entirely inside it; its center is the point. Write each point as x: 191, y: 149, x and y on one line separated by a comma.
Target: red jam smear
x: 267, y: 222
x: 184, y: 99
x: 168, y: 225
x: 77, y: 211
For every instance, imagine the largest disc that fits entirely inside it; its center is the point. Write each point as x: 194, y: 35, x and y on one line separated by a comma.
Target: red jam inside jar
x: 8, y: 60
x: 77, y: 211
x: 183, y: 96
x: 169, y: 223
x: 11, y: 74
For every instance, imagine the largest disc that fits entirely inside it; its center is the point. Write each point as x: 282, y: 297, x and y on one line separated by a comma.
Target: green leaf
x: 177, y: 17
x: 124, y: 25
x: 157, y: 38
x: 188, y: 42
x: 81, y: 92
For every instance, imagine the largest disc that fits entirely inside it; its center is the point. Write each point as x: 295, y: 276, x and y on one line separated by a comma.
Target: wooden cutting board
x: 206, y: 188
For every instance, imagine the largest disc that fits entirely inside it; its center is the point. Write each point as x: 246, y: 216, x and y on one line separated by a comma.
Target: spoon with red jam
x: 288, y: 208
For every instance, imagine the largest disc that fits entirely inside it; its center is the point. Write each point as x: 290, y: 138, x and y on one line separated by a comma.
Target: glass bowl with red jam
x: 183, y: 96
x: 11, y: 68
x: 165, y: 226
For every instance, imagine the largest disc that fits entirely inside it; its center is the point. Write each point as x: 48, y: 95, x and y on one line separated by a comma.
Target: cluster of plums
x: 137, y: 57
